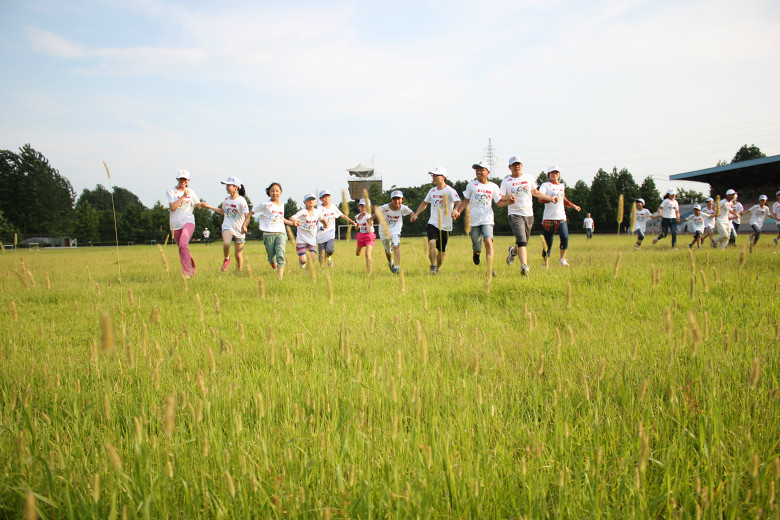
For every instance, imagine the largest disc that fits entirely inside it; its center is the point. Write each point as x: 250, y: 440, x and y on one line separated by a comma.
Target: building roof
x: 740, y: 175
x: 361, y: 170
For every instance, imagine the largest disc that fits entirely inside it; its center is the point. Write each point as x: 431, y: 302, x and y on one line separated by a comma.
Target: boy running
x: 442, y: 199
x: 307, y: 221
x: 393, y: 213
x: 480, y: 194
x: 326, y: 236
x: 697, y: 221
x: 758, y: 213
x: 643, y: 216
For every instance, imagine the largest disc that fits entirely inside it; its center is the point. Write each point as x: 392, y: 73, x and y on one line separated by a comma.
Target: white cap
x: 640, y: 200
x: 515, y: 159
x: 671, y: 191
x: 481, y: 164
x: 438, y: 171
x: 362, y: 202
x: 323, y: 193
x: 696, y: 206
x: 309, y: 196
x: 183, y: 174
x: 762, y: 197
x: 396, y: 193
x: 731, y: 192
x: 553, y: 168
x: 777, y: 194
x: 232, y: 180
x: 708, y: 199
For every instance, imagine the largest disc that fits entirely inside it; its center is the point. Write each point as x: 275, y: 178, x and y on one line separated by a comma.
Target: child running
x: 307, y: 220
x: 709, y: 221
x: 757, y: 215
x: 181, y: 201
x: 442, y: 199
x: 393, y: 213
x: 670, y: 216
x: 479, y: 195
x: 326, y: 236
x: 365, y: 236
x: 236, y: 218
x: 725, y: 215
x: 554, y: 218
x: 271, y: 222
x: 697, y: 221
x: 642, y: 217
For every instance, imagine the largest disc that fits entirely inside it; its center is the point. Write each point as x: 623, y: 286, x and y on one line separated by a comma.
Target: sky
x: 299, y: 91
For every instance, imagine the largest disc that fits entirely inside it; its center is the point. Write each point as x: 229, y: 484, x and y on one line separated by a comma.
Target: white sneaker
x: 330, y: 262
x: 524, y: 270
x: 564, y: 262
x: 510, y: 259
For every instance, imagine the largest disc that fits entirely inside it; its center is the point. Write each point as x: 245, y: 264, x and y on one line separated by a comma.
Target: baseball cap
x: 481, y: 164
x: 232, y: 180
x: 183, y: 174
x: 309, y: 196
x: 323, y: 193
x: 396, y: 193
x: 731, y: 192
x: 438, y: 171
x: 553, y: 168
x: 696, y: 206
x: 362, y: 202
x: 640, y: 200
x: 762, y: 197
x: 708, y: 199
x: 671, y: 191
x: 515, y: 159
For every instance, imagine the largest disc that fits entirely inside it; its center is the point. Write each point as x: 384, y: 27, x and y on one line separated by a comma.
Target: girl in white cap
x: 181, y: 201
x: 757, y: 215
x: 235, y: 211
x: 554, y: 217
x: 725, y: 215
x: 670, y: 215
x: 307, y: 220
x: 697, y: 221
x: 365, y: 237
x: 326, y: 236
x: 271, y: 222
x: 642, y: 217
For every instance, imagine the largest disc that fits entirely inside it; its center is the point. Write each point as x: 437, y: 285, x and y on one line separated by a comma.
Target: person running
x: 307, y: 220
x: 725, y: 215
x: 206, y: 235
x: 776, y: 214
x: 442, y: 199
x: 758, y: 213
x: 236, y: 215
x: 554, y: 218
x: 736, y: 221
x: 517, y: 192
x: 670, y: 215
x: 393, y: 213
x: 181, y: 201
x: 271, y: 222
x: 641, y: 218
x: 365, y: 236
x: 479, y: 195
x: 709, y: 221
x: 697, y: 222
x: 589, y: 226
x: 326, y: 236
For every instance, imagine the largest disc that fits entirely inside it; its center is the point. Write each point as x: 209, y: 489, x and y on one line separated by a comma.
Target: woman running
x: 554, y: 218
x: 670, y: 215
x: 181, y: 201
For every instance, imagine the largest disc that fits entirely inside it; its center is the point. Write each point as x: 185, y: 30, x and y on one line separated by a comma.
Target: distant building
x: 362, y: 177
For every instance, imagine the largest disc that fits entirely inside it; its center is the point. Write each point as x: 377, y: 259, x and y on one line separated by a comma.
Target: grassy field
x: 633, y: 384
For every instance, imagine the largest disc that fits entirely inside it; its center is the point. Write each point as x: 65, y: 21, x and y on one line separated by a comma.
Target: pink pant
x: 182, y: 237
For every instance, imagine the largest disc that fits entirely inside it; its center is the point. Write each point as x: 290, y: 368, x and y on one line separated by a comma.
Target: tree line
x: 36, y: 199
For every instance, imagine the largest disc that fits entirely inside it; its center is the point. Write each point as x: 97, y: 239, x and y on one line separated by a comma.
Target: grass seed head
x: 755, y: 373
x: 13, y: 311
x: 217, y: 308
x: 112, y: 454
x: 668, y: 324
x: 620, y: 210
x: 169, y: 418
x: 106, y: 332
x: 261, y: 287
x: 617, y: 265
x: 30, y: 507
x: 162, y: 255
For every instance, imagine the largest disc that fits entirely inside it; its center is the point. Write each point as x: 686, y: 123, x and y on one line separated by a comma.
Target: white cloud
x: 52, y: 44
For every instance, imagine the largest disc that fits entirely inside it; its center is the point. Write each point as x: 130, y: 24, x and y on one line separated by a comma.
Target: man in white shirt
x: 587, y: 223
x: 725, y: 215
x: 442, y: 199
x: 206, y: 235
x: 480, y: 194
x: 517, y: 192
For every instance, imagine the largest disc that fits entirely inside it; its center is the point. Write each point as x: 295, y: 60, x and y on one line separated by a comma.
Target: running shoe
x: 564, y: 262
x: 475, y: 258
x: 394, y: 269
x: 524, y: 270
x: 330, y: 262
x: 510, y: 259
x: 434, y: 269
x: 656, y: 239
x: 225, y: 264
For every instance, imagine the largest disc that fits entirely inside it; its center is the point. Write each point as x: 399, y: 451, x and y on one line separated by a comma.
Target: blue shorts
x: 479, y: 233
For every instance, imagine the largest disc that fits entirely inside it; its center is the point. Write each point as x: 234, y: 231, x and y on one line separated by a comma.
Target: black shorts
x: 439, y: 236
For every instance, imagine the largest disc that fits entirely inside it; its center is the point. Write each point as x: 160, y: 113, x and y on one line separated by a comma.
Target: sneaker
x: 775, y: 241
x: 510, y: 259
x: 564, y: 262
x: 690, y: 246
x: 394, y: 269
x: 475, y: 258
x: 493, y: 273
x: 524, y: 270
x: 302, y: 266
x: 656, y: 239
x: 225, y: 264
x: 636, y: 247
x: 330, y: 262
x: 434, y: 269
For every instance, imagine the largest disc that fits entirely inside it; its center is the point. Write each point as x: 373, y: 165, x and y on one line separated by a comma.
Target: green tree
x: 746, y: 153
x: 158, y: 222
x: 650, y: 194
x: 688, y: 196
x: 290, y: 207
x: 85, y: 223
x: 6, y: 228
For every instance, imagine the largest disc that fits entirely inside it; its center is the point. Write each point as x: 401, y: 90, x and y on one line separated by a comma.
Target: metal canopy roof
x: 745, y: 175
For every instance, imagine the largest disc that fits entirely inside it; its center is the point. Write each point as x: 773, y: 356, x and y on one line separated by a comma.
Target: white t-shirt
x: 435, y: 198
x: 481, y: 198
x: 363, y: 223
x: 553, y: 211
x: 709, y: 217
x: 696, y: 221
x: 206, y: 233
x: 235, y: 213
x: 270, y: 216
x: 758, y: 214
x: 641, y: 219
x: 329, y: 215
x: 669, y: 208
x: 588, y: 222
x: 776, y: 210
x: 724, y: 208
x: 520, y: 187
x: 183, y: 214
x: 395, y: 220
x: 307, y: 231
x: 738, y: 208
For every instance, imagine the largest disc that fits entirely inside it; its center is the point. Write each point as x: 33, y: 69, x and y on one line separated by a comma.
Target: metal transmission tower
x: 491, y: 156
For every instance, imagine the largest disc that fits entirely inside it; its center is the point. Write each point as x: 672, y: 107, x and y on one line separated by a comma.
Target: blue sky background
x: 298, y: 91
